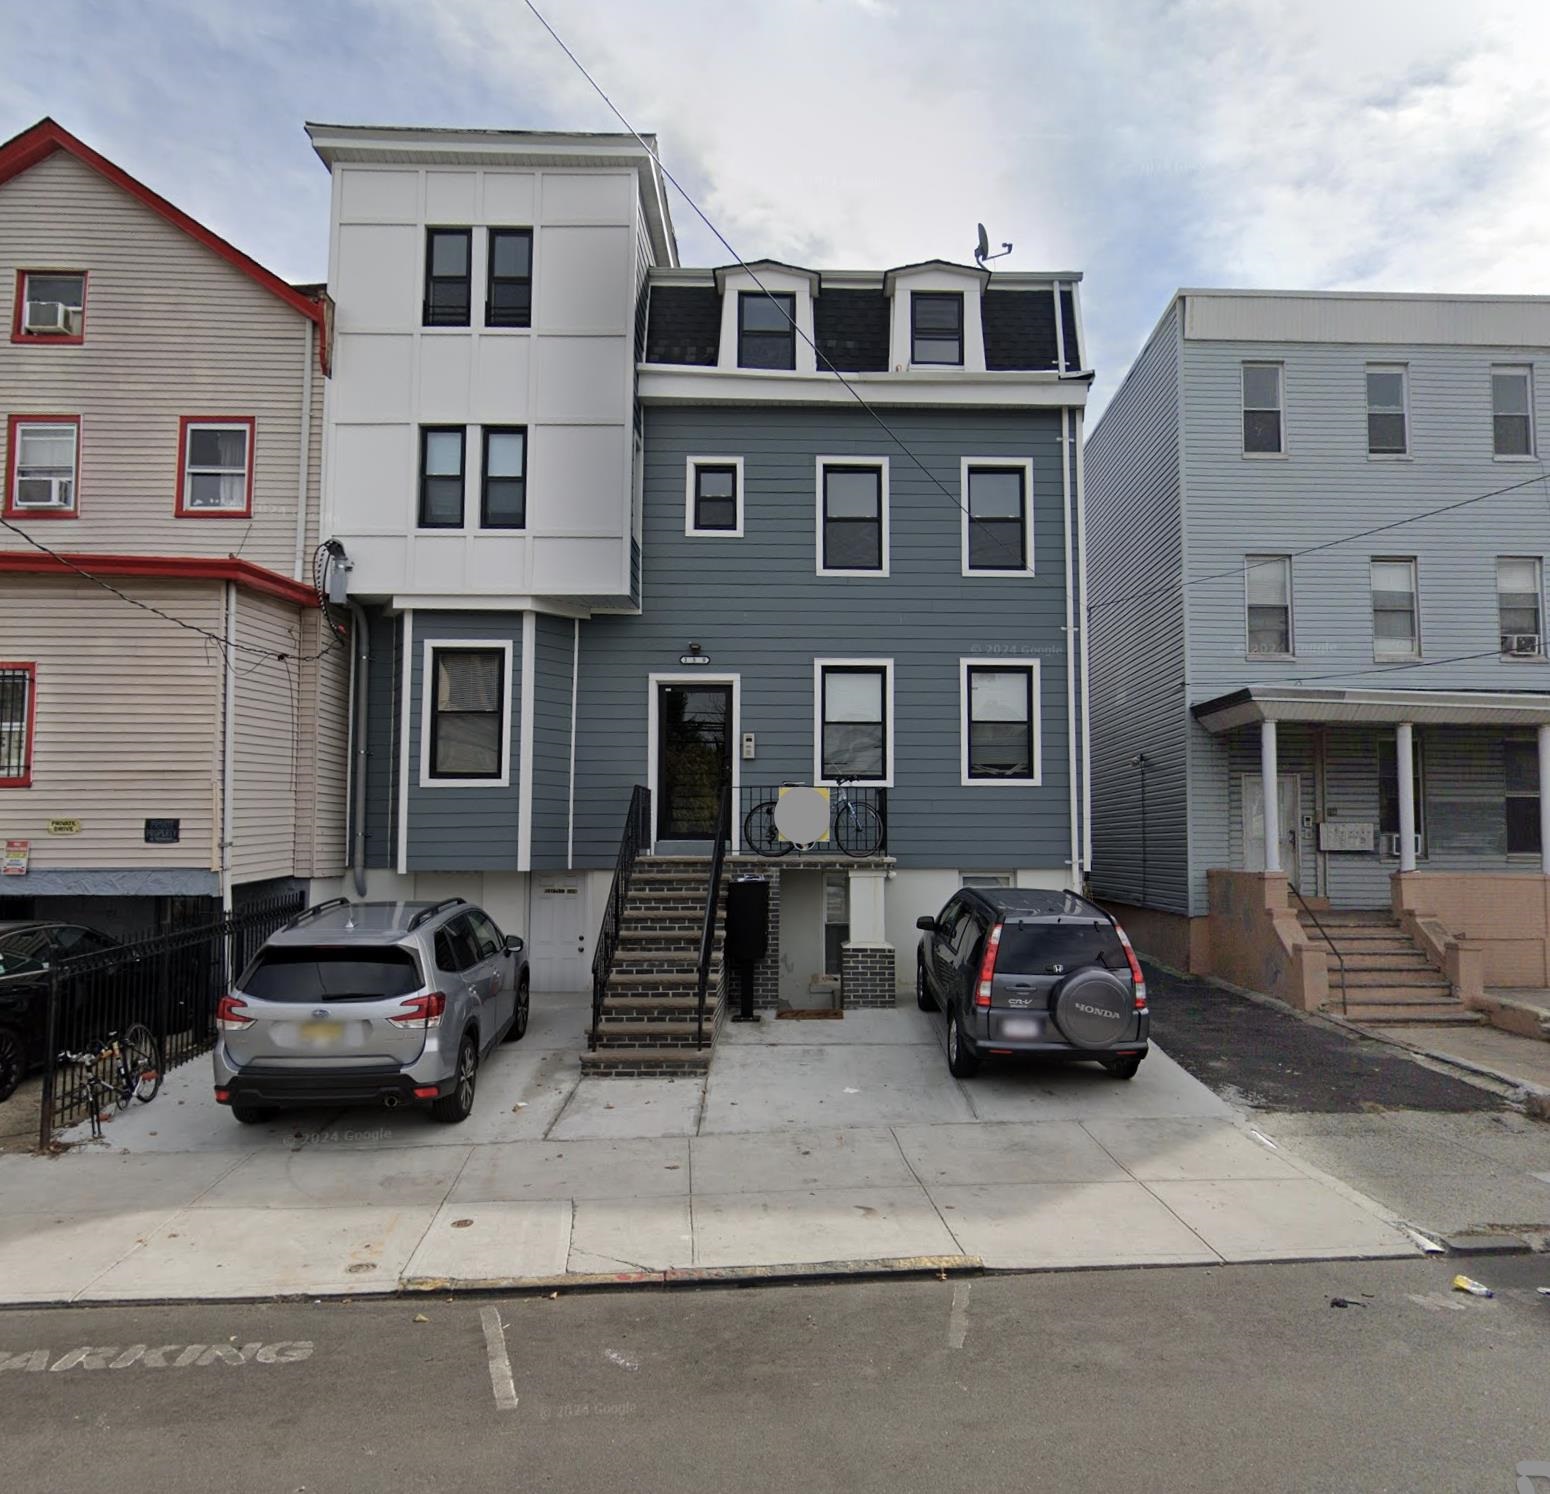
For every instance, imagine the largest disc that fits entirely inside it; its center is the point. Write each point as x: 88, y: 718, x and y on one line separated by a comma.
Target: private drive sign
x: 155, y: 1356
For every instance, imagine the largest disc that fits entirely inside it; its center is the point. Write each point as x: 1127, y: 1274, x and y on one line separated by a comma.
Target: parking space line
x: 501, y: 1383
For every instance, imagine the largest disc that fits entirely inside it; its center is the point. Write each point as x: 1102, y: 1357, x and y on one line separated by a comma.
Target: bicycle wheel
x: 759, y: 833
x: 139, y: 1056
x: 859, y: 830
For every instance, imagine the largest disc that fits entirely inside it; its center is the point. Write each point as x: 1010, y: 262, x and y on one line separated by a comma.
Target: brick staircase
x: 1387, y: 977
x: 648, y: 1025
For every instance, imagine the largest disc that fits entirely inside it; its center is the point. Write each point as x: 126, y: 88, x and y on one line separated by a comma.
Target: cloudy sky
x: 1149, y: 143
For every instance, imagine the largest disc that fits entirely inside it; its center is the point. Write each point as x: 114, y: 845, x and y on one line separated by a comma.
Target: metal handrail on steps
x: 712, y: 902
x: 1345, y: 990
x: 637, y: 831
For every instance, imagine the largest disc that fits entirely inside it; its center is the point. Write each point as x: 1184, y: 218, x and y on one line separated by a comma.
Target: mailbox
x: 748, y: 920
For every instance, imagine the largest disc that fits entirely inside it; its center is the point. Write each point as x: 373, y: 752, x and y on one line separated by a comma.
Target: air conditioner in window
x: 51, y: 318
x: 44, y: 492
x: 1521, y: 645
x: 1388, y: 844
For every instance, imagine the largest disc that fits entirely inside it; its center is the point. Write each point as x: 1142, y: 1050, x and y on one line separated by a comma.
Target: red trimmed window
x: 42, y: 466
x: 18, y: 719
x: 50, y: 306
x: 215, y: 466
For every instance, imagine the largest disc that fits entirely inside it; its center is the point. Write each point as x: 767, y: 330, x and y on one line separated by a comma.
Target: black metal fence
x: 170, y: 983
x: 858, y: 821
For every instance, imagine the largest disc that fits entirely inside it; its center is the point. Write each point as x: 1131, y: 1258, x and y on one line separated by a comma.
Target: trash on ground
x: 420, y: 1317
x: 1345, y: 1302
x: 1473, y: 1287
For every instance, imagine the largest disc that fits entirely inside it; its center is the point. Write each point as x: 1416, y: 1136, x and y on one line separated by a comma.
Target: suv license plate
x: 1020, y: 1027
x: 322, y: 1033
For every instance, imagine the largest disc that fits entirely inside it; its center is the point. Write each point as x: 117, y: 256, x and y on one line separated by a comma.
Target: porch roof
x: 1254, y: 703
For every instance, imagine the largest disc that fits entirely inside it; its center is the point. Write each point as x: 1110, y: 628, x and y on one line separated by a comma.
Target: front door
x: 558, y: 943
x: 694, y: 758
x: 1289, y: 802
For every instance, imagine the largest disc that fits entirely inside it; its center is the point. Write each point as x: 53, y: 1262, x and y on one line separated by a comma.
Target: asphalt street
x: 1207, y: 1379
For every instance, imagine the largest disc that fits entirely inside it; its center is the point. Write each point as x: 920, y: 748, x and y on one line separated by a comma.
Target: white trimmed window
x: 852, y: 516
x: 44, y: 461
x: 1518, y: 590
x: 1388, y: 420
x: 1264, y: 426
x: 1267, y: 591
x: 713, y: 497
x: 1512, y: 412
x: 1396, y: 630
x: 999, y: 732
x: 465, y: 714
x: 997, y: 517
x: 853, y: 710
x: 216, y: 476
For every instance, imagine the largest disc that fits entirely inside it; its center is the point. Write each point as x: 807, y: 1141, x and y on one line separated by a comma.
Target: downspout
x: 1071, y: 763
x: 360, y: 668
x: 304, y: 455
x: 1079, y: 418
x: 229, y: 747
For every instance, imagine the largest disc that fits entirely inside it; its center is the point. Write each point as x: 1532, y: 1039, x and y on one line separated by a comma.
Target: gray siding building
x: 1318, y: 534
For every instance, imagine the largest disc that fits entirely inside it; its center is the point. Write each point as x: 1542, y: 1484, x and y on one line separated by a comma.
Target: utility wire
x: 222, y: 643
x: 743, y: 265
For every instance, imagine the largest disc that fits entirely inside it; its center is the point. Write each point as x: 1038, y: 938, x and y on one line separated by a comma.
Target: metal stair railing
x: 637, y: 831
x: 712, y: 903
x: 1345, y: 990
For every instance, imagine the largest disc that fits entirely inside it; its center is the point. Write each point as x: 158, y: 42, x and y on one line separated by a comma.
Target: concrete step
x: 676, y: 1033
x: 1352, y: 933
x: 1431, y: 1014
x: 1398, y: 959
x: 665, y: 983
x: 1354, y: 918
x: 1393, y: 980
x: 645, y: 1062
x: 654, y: 1008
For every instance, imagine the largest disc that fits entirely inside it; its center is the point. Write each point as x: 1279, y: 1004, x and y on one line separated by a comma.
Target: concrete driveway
x: 812, y: 1144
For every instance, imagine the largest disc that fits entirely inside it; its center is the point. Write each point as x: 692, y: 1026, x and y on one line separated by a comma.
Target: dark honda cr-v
x: 1017, y: 970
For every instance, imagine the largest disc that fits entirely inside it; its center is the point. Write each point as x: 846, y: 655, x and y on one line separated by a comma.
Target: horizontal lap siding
x: 760, y: 611
x: 463, y: 829
x: 267, y: 739
x: 1328, y: 488
x: 128, y: 721
x: 171, y: 329
x: 323, y: 756
x: 554, y: 650
x: 384, y: 713
x: 1137, y: 636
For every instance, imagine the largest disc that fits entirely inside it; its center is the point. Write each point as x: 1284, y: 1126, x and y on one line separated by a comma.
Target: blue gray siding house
x: 1318, y: 534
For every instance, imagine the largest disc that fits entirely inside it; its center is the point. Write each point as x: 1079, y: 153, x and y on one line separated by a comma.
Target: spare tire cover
x: 1093, y: 1009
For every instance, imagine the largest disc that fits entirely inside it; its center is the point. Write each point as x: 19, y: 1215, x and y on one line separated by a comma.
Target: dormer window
x: 936, y: 328
x: 766, y: 330
x: 50, y: 306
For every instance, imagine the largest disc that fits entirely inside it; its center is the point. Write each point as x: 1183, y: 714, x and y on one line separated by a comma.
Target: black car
x: 27, y: 950
x: 1023, y: 971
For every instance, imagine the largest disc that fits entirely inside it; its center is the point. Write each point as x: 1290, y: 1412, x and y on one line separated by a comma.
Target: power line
x: 743, y: 265
x: 1303, y: 679
x: 221, y: 642
x: 1344, y: 539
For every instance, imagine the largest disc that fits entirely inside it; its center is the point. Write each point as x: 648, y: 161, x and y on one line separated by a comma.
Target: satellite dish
x: 982, y: 249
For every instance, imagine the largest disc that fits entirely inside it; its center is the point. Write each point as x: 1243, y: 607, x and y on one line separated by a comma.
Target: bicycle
x: 134, y: 1069
x: 856, y: 826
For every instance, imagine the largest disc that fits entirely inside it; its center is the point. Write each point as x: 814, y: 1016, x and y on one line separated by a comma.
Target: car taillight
x: 988, y: 968
x: 230, y: 1014
x: 421, y: 1011
x: 1136, y: 974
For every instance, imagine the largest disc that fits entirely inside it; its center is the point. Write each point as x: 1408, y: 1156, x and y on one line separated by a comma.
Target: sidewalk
x: 839, y: 1144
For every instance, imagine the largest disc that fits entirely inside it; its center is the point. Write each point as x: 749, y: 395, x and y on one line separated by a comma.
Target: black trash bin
x: 748, y: 934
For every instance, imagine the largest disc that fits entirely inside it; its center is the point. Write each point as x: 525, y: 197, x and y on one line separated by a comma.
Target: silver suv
x: 370, y: 1003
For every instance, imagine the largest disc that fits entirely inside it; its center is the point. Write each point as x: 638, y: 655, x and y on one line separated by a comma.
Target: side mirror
x: 926, y: 924
x: 515, y: 944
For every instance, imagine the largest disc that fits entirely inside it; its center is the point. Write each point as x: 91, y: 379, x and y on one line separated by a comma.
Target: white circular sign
x: 802, y: 815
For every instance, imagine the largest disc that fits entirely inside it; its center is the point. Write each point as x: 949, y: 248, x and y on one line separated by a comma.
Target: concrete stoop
x: 1379, y: 973
x: 649, y: 1025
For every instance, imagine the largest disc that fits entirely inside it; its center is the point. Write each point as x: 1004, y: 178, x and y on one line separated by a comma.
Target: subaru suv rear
x: 370, y: 1003
x: 1023, y: 971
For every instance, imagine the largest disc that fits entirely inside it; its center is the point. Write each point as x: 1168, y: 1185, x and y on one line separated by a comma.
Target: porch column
x: 1271, y: 779
x: 1544, y: 800
x: 1404, y: 761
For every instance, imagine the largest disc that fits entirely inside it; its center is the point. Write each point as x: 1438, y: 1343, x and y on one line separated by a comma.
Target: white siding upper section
x: 1464, y: 321
x: 569, y: 378
x: 171, y: 330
